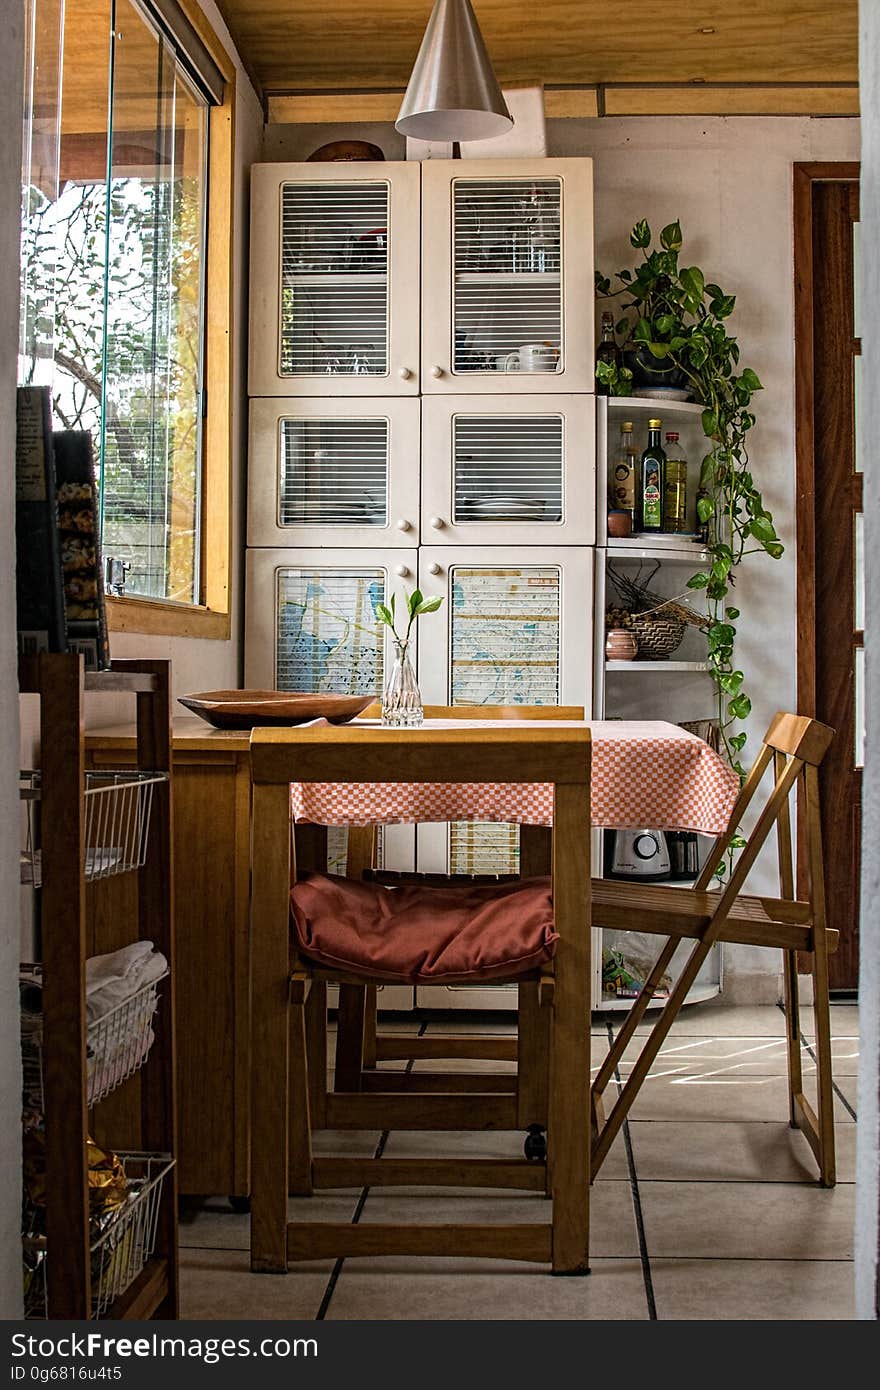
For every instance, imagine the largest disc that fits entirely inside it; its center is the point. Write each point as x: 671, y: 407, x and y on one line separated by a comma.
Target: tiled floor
x: 707, y: 1206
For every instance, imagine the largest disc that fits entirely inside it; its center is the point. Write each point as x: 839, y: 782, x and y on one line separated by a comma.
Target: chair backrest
x: 366, y: 754
x: 794, y: 746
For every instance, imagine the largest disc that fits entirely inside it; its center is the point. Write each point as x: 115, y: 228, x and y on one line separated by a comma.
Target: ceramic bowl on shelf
x: 247, y: 709
x: 620, y: 523
x: 620, y: 645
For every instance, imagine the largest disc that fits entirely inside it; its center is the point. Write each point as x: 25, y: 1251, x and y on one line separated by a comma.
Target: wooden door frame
x: 805, y: 176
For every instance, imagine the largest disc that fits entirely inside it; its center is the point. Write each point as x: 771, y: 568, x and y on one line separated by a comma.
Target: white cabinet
x: 508, y: 469
x: 334, y: 279
x: 421, y: 371
x: 336, y: 472
x: 507, y: 276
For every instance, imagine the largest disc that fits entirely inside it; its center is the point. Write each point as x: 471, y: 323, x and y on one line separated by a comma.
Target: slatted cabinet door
x: 334, y: 279
x: 507, y: 264
x: 336, y: 472
x: 514, y: 629
x: 508, y: 469
x: 311, y: 620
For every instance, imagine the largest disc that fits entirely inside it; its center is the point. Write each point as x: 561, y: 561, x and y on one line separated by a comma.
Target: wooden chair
x: 794, y: 747
x: 358, y: 1044
x: 282, y: 978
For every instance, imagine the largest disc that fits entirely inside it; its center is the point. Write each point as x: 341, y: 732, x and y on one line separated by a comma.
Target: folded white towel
x: 116, y: 965
x: 113, y: 978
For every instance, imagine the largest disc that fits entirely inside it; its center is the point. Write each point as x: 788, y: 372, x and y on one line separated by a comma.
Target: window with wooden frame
x: 126, y: 287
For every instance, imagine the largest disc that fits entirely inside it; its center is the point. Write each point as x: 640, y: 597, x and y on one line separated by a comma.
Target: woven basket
x: 657, y: 636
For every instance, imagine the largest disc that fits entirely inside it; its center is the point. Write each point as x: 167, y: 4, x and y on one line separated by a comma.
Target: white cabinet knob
x: 402, y: 570
x: 434, y: 568
x: 436, y: 371
x: 438, y: 523
x: 404, y: 373
x: 403, y: 524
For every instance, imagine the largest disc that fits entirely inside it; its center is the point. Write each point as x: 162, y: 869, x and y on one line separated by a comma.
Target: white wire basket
x: 117, y: 1045
x: 117, y: 822
x: 125, y: 1239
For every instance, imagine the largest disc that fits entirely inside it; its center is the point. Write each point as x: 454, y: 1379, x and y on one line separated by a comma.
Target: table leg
x: 569, y: 1130
x: 270, y: 964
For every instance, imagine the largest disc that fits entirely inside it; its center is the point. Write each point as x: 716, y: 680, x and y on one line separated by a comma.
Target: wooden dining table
x: 649, y: 773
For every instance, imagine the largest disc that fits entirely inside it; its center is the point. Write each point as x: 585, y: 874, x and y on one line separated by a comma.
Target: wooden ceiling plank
x: 327, y: 108
x: 731, y: 101
x: 308, y: 108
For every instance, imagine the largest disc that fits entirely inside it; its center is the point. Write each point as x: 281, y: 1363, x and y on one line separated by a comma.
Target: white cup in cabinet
x: 532, y: 357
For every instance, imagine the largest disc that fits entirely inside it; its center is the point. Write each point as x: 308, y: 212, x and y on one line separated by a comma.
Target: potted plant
x: 674, y: 320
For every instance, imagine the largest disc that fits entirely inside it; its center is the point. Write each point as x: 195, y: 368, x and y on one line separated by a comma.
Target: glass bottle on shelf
x: 652, y: 484
x: 675, y: 492
x: 607, y: 351
x: 624, y: 469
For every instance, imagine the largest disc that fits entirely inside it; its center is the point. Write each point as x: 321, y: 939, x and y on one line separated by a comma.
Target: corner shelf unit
x: 674, y: 689
x: 136, y: 1275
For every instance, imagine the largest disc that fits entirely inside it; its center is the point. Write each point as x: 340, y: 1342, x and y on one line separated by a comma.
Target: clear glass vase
x: 401, y: 701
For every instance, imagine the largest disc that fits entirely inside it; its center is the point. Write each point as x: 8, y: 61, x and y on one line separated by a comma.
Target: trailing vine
x: 675, y: 322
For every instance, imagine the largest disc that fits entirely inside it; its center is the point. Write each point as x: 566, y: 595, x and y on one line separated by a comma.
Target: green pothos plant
x: 673, y: 321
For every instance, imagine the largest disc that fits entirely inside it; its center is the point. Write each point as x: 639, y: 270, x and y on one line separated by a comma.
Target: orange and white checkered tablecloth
x: 643, y: 774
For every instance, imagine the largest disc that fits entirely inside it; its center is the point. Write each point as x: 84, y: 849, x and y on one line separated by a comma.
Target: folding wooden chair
x: 358, y: 1044
x: 283, y: 977
x: 794, y: 746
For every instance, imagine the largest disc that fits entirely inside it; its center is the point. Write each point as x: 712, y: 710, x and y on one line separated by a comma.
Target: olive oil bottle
x: 652, y: 488
x: 624, y: 473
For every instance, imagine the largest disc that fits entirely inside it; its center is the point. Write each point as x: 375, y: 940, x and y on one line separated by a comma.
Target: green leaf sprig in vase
x: 674, y: 325
x: 401, y: 699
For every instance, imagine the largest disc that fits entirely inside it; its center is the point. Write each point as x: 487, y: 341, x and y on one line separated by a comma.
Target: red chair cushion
x: 414, y: 934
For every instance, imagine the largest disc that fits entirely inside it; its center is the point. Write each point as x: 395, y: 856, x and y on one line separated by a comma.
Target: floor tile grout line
x: 637, y: 1201
x: 834, y: 1086
x: 333, y: 1280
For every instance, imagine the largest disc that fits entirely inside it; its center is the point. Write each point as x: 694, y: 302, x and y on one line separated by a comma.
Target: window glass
x: 112, y: 272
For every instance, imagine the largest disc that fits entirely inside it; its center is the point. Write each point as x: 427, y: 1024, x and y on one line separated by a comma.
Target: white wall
x: 729, y: 182
x: 11, y: 63
x: 867, y: 1225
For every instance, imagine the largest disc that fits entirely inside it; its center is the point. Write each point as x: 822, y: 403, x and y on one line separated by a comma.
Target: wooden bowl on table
x: 246, y: 709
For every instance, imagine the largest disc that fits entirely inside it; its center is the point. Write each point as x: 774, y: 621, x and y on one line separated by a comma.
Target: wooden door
x: 830, y: 547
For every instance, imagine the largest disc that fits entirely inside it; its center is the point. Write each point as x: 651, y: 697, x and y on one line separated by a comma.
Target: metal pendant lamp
x: 453, y: 93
